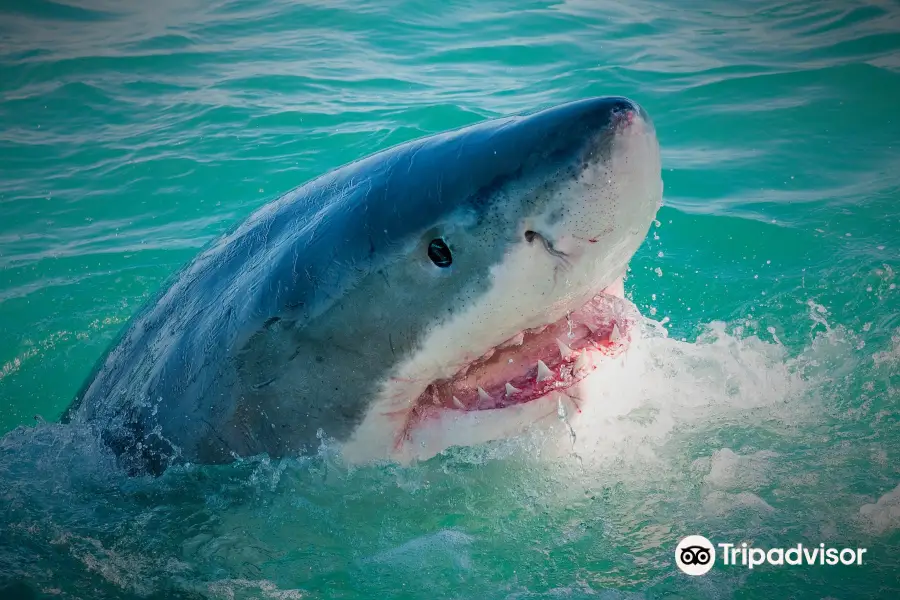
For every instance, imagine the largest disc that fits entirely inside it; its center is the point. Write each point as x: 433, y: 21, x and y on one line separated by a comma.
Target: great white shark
x: 449, y: 290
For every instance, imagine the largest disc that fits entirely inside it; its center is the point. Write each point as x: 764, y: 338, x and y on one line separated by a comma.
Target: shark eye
x: 439, y: 253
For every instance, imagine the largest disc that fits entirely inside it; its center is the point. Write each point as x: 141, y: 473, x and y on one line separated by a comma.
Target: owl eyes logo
x: 695, y: 555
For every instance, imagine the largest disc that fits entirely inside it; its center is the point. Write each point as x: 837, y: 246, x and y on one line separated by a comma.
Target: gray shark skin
x: 302, y: 320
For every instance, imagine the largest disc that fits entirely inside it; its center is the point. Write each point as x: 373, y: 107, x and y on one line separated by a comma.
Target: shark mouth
x: 533, y: 363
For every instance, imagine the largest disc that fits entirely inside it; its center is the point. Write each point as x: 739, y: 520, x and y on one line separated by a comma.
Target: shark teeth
x: 458, y: 404
x: 543, y: 371
x: 615, y: 335
x: 564, y: 349
x: 581, y: 362
x: 511, y: 389
x: 516, y: 340
x: 483, y: 395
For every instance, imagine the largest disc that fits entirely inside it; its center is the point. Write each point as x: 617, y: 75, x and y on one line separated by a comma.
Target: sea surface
x: 763, y: 406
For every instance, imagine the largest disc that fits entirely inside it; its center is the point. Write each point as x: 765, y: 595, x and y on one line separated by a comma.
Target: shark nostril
x: 531, y: 235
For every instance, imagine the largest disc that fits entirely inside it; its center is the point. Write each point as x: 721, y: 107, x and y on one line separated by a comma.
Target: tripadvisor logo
x: 696, y: 555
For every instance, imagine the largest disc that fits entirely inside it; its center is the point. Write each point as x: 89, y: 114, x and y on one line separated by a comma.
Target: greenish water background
x: 132, y: 134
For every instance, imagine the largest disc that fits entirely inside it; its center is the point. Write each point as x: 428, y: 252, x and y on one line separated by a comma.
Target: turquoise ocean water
x: 765, y: 405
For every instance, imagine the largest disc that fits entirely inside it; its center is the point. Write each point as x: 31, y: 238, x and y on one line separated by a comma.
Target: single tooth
x: 458, y: 404
x: 615, y: 336
x: 516, y: 340
x: 511, y: 389
x: 581, y: 362
x: 483, y: 395
x: 564, y: 350
x: 543, y: 371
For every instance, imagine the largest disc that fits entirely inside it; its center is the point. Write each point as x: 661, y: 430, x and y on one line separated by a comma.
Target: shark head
x: 440, y: 292
x: 484, y: 283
